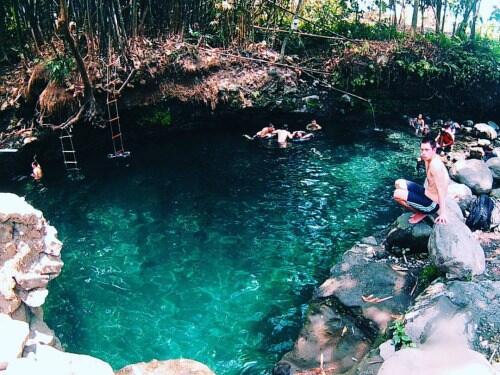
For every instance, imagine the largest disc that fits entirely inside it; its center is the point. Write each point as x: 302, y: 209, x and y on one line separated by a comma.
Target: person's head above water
x: 420, y: 116
x: 427, y: 148
x: 271, y: 125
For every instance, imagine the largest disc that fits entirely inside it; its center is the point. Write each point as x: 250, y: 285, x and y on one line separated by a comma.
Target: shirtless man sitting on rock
x: 430, y: 198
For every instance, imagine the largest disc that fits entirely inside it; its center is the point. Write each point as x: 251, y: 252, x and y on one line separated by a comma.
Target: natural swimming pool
x: 209, y: 246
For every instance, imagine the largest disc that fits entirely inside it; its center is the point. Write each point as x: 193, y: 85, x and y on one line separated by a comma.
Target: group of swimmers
x: 446, y: 136
x: 283, y: 135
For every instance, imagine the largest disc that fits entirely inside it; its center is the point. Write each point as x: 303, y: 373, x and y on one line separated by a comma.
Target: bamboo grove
x: 25, y: 25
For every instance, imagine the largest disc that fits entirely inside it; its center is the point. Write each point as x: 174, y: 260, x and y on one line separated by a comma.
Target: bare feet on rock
x: 417, y: 218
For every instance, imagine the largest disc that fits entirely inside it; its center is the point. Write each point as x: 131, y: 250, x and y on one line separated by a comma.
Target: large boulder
x: 461, y: 194
x: 465, y: 313
x: 330, y: 334
x: 473, y: 173
x: 439, y: 360
x: 349, y: 285
x: 356, y: 304
x: 485, y: 131
x: 494, y: 165
x: 170, y: 367
x: 47, y: 360
x: 404, y: 235
x: 455, y: 251
x: 14, y: 334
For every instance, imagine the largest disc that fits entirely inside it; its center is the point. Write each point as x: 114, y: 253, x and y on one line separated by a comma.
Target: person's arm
x: 440, y: 175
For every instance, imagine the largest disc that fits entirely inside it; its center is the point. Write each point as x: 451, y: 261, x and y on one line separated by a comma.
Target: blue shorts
x: 418, y: 200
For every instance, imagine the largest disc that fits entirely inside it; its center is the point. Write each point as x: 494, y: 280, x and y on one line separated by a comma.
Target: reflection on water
x: 209, y: 246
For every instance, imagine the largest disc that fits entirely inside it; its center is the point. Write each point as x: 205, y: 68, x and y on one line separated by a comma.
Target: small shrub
x: 429, y: 274
x: 60, y: 68
x: 399, y: 337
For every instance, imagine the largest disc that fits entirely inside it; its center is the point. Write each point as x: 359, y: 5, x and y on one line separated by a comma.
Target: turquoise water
x: 209, y: 246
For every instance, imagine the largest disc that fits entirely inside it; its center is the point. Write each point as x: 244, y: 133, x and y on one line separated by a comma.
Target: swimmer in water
x: 37, y: 173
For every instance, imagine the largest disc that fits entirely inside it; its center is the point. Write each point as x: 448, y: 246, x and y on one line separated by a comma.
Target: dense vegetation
x: 357, y: 48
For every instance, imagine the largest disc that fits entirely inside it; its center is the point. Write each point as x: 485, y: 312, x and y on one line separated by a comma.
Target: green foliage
x: 399, y: 337
x: 429, y: 274
x: 161, y: 117
x: 60, y: 68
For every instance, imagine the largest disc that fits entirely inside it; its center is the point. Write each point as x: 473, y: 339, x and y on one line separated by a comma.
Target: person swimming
x: 300, y: 135
x: 283, y: 136
x: 313, y: 126
x: 265, y: 132
x: 37, y: 173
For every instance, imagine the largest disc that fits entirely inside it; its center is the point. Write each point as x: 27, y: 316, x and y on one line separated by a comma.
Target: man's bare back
x: 283, y: 135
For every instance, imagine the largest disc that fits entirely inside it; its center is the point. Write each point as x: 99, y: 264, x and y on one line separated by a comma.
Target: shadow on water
x: 208, y: 246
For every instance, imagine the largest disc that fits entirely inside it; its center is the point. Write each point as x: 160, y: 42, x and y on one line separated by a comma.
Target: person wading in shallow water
x: 37, y: 173
x: 430, y: 198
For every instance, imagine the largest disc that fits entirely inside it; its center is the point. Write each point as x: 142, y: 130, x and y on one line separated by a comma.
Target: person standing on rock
x: 430, y: 198
x: 37, y: 173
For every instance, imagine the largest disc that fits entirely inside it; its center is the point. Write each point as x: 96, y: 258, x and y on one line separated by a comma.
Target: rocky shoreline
x: 440, y: 283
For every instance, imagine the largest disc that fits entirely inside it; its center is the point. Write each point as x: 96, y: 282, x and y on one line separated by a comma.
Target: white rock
x: 436, y: 360
x: 52, y: 245
x: 68, y: 363
x: 485, y: 131
x: 14, y: 334
x: 473, y: 173
x: 34, y: 297
x: 494, y: 165
x: 13, y: 206
x: 387, y: 350
x: 483, y: 142
x: 170, y: 367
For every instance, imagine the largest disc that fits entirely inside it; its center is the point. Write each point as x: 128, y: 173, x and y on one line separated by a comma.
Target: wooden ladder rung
x: 65, y: 136
x: 70, y: 162
x: 116, y: 136
x: 111, y: 101
x: 115, y: 118
x: 69, y: 151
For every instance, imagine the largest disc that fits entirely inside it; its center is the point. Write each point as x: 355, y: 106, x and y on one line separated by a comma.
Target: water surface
x: 209, y: 246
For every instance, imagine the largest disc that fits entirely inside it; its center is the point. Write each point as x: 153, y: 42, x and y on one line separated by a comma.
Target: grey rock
x: 495, y: 193
x: 14, y: 335
x: 387, y: 350
x: 485, y: 131
x: 436, y: 361
x: 473, y: 173
x: 169, y: 367
x: 461, y: 194
x: 456, y: 311
x: 455, y: 251
x: 494, y: 165
x: 322, y: 335
x: 404, y: 235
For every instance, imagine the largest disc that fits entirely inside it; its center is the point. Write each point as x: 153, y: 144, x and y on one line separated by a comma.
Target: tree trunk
x: 283, y: 47
x: 63, y: 27
x: 474, y: 20
x: 439, y: 8
x: 444, y: 15
x: 414, y: 18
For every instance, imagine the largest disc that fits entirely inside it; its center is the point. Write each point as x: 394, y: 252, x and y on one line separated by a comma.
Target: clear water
x: 209, y: 246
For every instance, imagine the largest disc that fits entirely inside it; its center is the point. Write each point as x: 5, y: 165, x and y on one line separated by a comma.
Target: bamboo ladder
x: 68, y: 150
x: 113, y: 114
